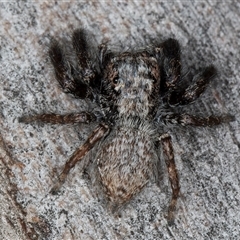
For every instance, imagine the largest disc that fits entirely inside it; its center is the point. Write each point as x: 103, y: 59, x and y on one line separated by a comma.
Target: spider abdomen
x: 125, y: 163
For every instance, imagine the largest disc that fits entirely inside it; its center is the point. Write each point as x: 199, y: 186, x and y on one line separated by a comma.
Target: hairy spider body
x: 126, y: 159
x: 136, y: 92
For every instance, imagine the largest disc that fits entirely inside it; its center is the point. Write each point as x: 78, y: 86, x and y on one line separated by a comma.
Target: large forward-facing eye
x: 115, y: 79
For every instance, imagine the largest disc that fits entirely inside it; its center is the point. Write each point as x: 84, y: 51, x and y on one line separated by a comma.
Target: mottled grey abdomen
x: 125, y: 163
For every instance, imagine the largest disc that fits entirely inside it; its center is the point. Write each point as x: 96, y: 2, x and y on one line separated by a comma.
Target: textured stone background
x: 207, y: 159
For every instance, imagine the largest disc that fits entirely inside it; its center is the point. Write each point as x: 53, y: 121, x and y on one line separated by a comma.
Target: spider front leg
x: 78, y: 155
x: 66, y: 74
x: 172, y: 173
x: 168, y: 54
x: 83, y: 49
x: 192, y: 92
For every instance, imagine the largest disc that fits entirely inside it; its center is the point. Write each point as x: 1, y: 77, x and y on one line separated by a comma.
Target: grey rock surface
x: 208, y: 159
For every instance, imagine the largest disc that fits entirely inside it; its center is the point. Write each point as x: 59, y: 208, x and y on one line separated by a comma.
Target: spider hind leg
x: 79, y: 154
x: 172, y: 173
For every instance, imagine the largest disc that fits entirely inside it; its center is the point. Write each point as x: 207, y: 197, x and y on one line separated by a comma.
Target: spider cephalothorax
x: 134, y: 80
x: 136, y: 92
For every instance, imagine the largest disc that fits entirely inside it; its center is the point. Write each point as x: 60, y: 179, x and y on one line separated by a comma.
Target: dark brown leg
x: 83, y: 48
x: 172, y: 173
x: 83, y: 117
x: 78, y: 155
x: 169, y: 55
x: 66, y: 73
x: 186, y: 119
x: 191, y: 93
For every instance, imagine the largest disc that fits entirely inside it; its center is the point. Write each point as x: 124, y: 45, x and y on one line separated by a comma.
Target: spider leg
x: 83, y: 117
x: 78, y: 155
x: 66, y: 74
x: 192, y: 92
x: 168, y: 53
x: 172, y: 173
x: 81, y: 45
x: 186, y: 119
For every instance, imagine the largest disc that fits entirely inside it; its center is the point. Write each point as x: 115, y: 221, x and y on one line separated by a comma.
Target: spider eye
x: 115, y: 80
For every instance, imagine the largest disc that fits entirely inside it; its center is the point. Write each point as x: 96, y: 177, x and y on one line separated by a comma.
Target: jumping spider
x: 135, y: 92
